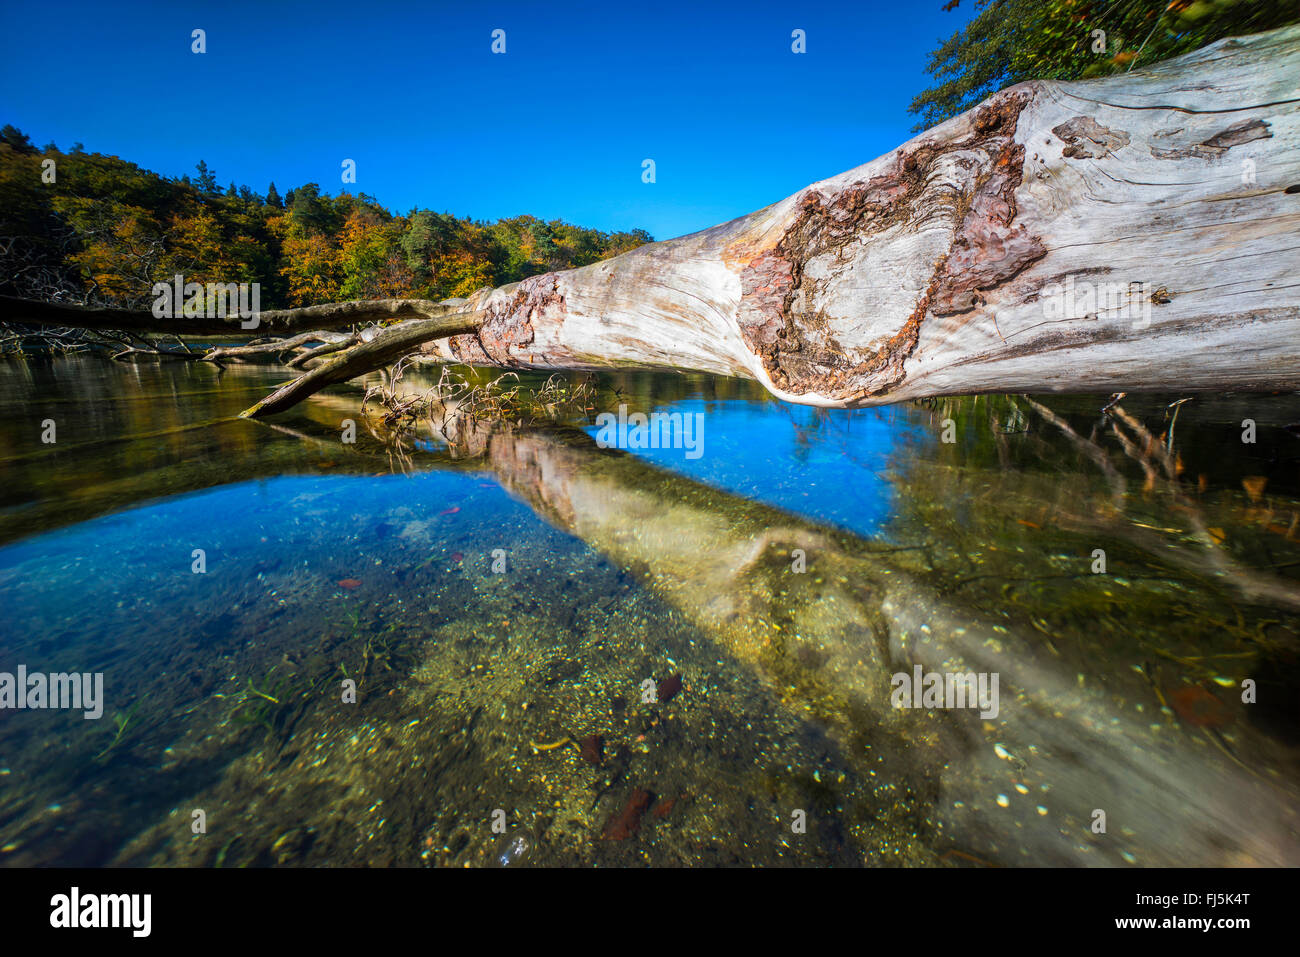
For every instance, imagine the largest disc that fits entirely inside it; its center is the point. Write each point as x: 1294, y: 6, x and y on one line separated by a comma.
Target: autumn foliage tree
x: 1009, y: 41
x: 104, y: 230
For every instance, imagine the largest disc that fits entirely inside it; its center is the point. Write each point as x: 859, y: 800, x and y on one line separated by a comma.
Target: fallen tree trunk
x: 326, y: 316
x: 1130, y: 233
x: 963, y: 261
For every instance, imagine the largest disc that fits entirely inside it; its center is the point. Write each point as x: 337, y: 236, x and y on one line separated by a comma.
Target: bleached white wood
x: 1167, y: 187
x: 960, y: 263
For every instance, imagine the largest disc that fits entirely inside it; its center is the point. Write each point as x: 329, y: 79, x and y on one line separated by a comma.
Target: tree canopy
x: 105, y: 230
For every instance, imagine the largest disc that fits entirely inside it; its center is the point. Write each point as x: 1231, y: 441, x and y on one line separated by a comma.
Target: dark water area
x: 565, y: 654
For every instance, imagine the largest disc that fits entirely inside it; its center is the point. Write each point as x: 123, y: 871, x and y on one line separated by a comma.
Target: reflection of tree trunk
x: 1055, y: 238
x: 830, y: 639
x: 1212, y: 560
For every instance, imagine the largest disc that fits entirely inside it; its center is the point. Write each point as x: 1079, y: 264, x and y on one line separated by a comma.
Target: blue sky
x: 557, y: 127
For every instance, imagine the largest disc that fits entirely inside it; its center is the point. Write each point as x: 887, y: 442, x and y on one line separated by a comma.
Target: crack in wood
x: 1246, y: 131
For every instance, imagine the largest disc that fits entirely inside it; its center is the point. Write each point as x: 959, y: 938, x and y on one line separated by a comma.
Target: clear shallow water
x: 827, y: 467
x: 373, y: 563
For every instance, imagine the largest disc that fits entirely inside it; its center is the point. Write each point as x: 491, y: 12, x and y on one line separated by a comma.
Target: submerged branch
x: 277, y: 346
x: 388, y: 346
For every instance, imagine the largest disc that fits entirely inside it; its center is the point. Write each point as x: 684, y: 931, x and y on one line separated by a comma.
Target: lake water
x: 569, y: 654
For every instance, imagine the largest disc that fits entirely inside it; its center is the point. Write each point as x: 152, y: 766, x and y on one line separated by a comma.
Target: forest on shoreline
x: 97, y: 229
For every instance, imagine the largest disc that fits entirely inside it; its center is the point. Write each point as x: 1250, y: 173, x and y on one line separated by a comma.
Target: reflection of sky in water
x: 825, y: 465
x: 309, y: 572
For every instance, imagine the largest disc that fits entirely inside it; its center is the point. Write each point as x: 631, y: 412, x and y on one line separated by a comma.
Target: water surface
x: 786, y: 574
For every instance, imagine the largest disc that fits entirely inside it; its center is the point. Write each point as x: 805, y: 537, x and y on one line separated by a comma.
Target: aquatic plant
x: 265, y: 706
x: 465, y: 395
x: 121, y: 721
